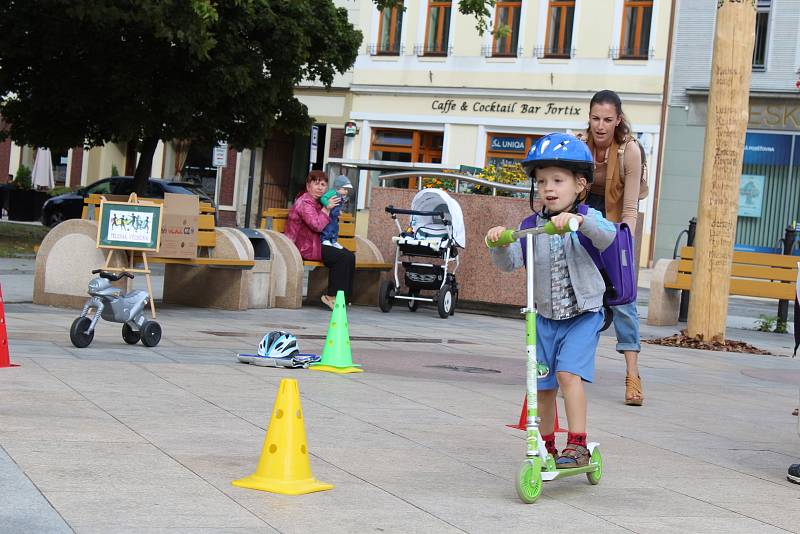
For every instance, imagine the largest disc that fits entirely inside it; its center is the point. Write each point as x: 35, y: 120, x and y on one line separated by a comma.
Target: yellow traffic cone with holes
x: 284, y: 466
x: 336, y: 356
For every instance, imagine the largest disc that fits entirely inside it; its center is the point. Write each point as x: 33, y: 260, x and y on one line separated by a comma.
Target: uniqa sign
x: 508, y: 144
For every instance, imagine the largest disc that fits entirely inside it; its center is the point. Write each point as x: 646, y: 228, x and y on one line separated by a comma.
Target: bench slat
x: 745, y: 288
x: 754, y: 258
x: 213, y: 262
x: 741, y: 270
x: 372, y: 266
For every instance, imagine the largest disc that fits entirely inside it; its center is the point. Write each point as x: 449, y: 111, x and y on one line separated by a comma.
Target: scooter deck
x: 563, y: 473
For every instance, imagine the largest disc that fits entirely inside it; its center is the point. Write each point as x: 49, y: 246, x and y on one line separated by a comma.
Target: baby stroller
x: 435, y: 230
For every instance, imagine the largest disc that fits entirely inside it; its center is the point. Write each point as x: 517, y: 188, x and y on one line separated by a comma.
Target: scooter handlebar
x: 111, y: 276
x: 509, y: 236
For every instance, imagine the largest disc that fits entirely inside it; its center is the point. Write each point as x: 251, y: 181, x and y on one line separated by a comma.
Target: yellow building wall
x: 461, y: 139
x: 101, y: 159
x: 597, y: 27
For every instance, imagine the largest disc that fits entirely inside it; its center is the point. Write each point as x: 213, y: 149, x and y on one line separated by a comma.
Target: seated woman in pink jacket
x: 307, y: 219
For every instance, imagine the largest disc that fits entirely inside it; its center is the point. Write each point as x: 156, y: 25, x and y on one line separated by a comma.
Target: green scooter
x: 539, y: 465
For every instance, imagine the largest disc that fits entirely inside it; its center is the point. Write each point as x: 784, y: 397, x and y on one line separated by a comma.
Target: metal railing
x: 453, y: 176
x: 432, y: 51
x: 542, y: 52
x: 375, y: 49
x: 625, y: 52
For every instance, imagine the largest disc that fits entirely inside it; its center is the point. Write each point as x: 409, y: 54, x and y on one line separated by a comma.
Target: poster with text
x: 751, y: 195
x: 129, y: 226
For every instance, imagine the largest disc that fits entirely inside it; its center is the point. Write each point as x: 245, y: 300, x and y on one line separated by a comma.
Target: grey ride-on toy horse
x: 113, y: 305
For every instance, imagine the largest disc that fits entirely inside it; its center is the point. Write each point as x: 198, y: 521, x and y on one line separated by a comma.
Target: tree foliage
x: 76, y: 72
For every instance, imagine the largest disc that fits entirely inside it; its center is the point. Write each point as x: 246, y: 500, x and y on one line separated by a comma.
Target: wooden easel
x: 131, y: 254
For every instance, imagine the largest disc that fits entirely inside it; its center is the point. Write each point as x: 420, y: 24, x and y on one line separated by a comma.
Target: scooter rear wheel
x: 529, y: 480
x: 595, y: 476
x: 151, y: 333
x: 130, y: 335
x: 77, y: 332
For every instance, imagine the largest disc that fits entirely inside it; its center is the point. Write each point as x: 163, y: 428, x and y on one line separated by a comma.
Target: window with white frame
x: 437, y: 31
x: 637, y: 17
x: 390, y: 29
x: 506, y: 28
x: 762, y: 30
x: 560, y: 18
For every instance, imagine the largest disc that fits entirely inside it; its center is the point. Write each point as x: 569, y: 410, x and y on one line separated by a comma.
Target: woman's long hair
x: 606, y: 96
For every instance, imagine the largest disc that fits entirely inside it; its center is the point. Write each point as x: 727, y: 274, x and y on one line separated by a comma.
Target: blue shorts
x: 568, y: 345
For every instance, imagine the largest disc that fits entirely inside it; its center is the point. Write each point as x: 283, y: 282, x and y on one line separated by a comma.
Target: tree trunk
x: 728, y: 99
x: 145, y: 165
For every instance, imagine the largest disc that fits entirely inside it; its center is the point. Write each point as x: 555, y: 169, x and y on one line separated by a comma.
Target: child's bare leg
x: 546, y: 404
x: 574, y: 401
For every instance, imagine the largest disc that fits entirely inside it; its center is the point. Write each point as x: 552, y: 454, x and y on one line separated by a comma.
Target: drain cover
x: 463, y: 368
x: 225, y: 334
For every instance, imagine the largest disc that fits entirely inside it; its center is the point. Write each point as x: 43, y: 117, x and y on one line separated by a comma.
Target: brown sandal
x: 633, y: 391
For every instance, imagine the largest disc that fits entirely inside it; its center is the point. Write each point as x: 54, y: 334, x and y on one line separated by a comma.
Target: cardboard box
x: 179, y: 226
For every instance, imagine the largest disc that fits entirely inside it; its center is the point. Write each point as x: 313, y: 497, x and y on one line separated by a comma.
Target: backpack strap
x: 621, y: 158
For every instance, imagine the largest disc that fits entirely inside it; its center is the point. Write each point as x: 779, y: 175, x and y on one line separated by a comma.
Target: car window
x: 122, y: 186
x: 187, y: 189
x: 103, y: 187
x: 154, y: 190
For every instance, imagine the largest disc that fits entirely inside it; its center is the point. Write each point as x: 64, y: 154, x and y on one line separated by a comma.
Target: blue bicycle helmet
x: 560, y: 150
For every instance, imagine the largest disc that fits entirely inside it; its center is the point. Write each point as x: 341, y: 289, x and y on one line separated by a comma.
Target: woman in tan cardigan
x: 616, y: 195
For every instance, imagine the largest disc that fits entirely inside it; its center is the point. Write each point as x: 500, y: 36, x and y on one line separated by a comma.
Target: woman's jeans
x: 626, y: 318
x: 626, y: 325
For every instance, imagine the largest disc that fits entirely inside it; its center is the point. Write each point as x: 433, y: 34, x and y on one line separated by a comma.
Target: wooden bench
x: 216, y: 277
x: 369, y: 260
x: 206, y: 235
x: 753, y: 274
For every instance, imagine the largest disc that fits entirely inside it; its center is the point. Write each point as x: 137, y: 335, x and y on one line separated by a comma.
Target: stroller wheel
x: 455, y: 301
x: 413, y: 304
x: 386, y: 296
x: 444, y: 301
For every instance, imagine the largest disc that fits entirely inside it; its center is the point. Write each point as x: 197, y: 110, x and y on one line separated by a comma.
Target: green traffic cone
x: 336, y: 356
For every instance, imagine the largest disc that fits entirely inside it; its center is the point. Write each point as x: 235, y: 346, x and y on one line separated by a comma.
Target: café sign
x: 448, y: 106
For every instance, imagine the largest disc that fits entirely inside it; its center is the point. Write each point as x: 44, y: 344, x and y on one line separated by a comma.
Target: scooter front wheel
x: 595, y: 476
x: 130, y: 335
x: 77, y: 332
x: 529, y: 480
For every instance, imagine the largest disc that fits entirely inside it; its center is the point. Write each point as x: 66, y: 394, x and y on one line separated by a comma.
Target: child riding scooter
x: 567, y: 292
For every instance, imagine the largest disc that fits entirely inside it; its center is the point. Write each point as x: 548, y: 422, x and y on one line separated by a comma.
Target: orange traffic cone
x: 523, y: 418
x: 4, y: 357
x: 284, y: 466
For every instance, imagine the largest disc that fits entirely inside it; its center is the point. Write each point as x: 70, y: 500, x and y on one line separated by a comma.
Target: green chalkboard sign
x: 129, y: 226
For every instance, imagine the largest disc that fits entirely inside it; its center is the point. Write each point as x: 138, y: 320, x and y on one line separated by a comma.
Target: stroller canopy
x: 439, y: 200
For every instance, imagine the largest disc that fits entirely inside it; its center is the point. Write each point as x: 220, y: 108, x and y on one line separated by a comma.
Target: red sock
x: 550, y: 443
x: 574, y: 438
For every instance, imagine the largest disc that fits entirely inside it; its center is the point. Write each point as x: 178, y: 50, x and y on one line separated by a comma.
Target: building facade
x: 428, y: 89
x: 769, y: 185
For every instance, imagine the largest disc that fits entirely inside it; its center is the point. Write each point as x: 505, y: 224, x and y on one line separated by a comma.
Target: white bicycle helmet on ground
x: 278, y: 344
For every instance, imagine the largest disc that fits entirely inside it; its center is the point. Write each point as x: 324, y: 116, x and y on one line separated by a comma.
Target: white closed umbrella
x: 42, y: 174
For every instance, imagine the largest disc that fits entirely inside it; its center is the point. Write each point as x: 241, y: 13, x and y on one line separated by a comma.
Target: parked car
x: 70, y: 205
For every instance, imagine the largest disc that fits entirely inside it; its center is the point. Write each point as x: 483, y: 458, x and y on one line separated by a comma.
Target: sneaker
x: 794, y: 474
x: 337, y: 245
x: 328, y: 301
x: 327, y: 243
x: 573, y: 456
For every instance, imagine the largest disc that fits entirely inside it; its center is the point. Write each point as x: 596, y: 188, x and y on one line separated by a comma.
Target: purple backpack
x: 616, y: 263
